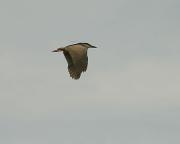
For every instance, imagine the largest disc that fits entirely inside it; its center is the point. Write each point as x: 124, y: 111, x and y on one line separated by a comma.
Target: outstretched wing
x: 77, y: 60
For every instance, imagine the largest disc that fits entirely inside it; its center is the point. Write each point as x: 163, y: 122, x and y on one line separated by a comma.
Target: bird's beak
x: 93, y: 47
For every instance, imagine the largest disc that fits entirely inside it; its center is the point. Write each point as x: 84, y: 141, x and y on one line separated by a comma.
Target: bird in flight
x: 76, y: 57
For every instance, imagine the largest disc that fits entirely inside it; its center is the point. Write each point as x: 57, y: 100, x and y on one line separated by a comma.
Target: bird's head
x: 87, y: 45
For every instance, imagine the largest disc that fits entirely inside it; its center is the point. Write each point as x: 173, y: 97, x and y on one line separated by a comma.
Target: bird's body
x: 77, y: 59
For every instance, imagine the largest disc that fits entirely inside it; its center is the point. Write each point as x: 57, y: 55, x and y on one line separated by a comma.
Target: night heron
x: 77, y: 59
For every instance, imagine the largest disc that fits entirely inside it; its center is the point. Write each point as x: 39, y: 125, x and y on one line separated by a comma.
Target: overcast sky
x: 130, y: 93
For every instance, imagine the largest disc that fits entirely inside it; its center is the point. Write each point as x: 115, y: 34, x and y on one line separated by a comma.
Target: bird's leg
x: 58, y: 50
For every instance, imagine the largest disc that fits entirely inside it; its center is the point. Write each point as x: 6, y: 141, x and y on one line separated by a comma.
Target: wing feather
x: 77, y: 60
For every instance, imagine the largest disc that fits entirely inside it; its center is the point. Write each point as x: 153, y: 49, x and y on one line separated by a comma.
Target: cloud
x: 131, y: 87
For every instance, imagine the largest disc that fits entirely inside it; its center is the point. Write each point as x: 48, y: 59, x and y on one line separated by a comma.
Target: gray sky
x: 130, y: 93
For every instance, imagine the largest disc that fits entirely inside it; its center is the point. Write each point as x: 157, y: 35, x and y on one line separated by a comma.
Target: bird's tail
x: 57, y: 50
